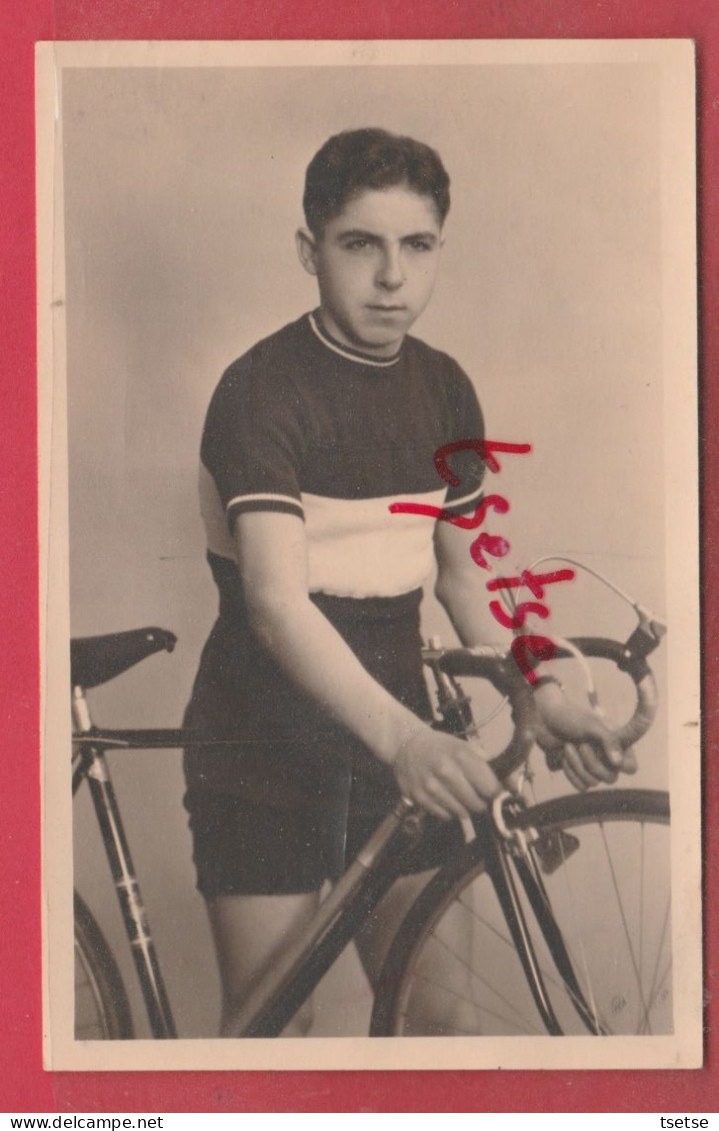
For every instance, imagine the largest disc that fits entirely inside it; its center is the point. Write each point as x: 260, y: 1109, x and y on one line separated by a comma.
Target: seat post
x: 82, y: 723
x: 80, y: 711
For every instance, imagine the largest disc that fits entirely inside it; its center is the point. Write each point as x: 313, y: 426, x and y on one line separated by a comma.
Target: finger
x: 463, y: 791
x: 554, y: 758
x: 629, y: 762
x: 621, y: 760
x: 419, y: 795
x: 595, y: 765
x: 573, y: 761
x: 610, y: 748
x: 434, y: 809
x: 440, y: 801
x: 573, y: 779
x: 480, y: 775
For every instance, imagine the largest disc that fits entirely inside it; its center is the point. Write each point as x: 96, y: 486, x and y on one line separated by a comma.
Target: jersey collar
x: 331, y: 343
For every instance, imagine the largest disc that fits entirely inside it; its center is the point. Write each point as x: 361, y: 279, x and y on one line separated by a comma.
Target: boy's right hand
x: 444, y: 774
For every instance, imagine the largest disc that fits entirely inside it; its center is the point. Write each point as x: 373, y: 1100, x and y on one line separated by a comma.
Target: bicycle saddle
x: 97, y: 659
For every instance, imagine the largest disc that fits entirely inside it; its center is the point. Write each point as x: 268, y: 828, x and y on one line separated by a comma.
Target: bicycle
x: 519, y: 878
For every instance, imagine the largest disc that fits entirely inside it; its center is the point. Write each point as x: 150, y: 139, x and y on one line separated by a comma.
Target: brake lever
x: 454, y: 705
x: 649, y: 624
x: 644, y: 640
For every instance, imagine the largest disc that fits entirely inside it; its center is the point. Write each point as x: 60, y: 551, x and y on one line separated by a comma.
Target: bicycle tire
x: 626, y: 982
x: 102, y: 1010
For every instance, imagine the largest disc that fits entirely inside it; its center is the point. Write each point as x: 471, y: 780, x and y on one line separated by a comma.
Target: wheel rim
x: 102, y: 1011
x: 91, y: 1022
x: 610, y: 896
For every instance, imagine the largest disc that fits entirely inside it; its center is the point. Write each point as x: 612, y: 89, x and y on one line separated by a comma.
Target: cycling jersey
x: 305, y: 425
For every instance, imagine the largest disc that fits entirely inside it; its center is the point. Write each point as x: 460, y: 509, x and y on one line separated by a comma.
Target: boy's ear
x: 307, y: 250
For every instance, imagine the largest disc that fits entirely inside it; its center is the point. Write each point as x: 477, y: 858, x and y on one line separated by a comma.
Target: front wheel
x: 603, y: 859
x: 102, y: 1011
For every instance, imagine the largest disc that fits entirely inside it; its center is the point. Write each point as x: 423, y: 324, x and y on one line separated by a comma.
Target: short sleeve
x: 252, y: 443
x: 459, y: 461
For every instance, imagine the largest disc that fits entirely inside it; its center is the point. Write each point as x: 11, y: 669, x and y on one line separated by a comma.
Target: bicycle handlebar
x: 99, y: 658
x: 501, y: 671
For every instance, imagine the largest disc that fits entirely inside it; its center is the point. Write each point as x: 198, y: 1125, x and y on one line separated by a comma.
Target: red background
x: 25, y: 1087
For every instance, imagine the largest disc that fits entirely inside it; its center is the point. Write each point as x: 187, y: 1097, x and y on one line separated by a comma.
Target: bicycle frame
x: 276, y: 998
x: 293, y: 978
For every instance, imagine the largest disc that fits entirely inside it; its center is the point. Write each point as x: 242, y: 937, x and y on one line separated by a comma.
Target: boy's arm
x: 437, y: 771
x: 460, y: 588
x: 590, y: 752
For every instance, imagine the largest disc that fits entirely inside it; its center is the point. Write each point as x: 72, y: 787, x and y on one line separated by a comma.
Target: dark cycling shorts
x: 249, y: 848
x: 292, y: 798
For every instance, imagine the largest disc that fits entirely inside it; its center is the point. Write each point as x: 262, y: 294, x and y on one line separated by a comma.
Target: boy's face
x: 376, y: 264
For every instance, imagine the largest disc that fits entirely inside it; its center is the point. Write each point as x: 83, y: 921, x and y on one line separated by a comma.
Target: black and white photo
x: 368, y: 390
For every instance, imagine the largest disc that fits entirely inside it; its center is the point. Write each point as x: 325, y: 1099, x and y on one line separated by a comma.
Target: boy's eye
x: 357, y: 244
x: 420, y: 245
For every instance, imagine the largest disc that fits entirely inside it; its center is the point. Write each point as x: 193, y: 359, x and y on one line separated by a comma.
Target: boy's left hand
x: 576, y: 740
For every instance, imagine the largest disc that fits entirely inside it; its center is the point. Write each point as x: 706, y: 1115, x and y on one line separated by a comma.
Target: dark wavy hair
x: 370, y: 159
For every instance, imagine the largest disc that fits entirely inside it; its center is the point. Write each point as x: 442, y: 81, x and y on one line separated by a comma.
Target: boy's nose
x: 390, y: 274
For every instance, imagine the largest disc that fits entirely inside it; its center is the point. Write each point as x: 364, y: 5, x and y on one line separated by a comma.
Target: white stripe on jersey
x: 357, y: 548
x: 263, y: 497
x: 214, y: 515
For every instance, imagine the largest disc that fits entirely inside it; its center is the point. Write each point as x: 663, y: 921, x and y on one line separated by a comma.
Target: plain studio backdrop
x: 182, y: 195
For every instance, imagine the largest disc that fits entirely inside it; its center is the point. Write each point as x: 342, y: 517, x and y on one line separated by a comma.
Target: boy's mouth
x: 386, y: 308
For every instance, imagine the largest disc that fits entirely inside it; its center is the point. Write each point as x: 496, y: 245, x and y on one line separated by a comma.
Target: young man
x: 314, y: 662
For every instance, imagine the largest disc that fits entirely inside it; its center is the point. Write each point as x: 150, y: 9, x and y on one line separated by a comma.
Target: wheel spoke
x: 625, y: 927
x: 487, y: 925
x: 520, y: 1028
x: 660, y: 948
x: 482, y: 981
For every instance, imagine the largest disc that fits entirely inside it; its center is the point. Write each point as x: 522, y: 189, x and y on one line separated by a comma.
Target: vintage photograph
x: 369, y: 555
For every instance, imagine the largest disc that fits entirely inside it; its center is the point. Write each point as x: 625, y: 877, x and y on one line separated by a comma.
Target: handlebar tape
x: 503, y: 674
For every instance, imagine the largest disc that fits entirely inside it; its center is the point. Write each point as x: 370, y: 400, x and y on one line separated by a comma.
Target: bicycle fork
x: 501, y: 845
x: 94, y: 768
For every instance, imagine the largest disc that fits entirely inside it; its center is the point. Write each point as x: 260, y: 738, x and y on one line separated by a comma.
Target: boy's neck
x: 334, y: 332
